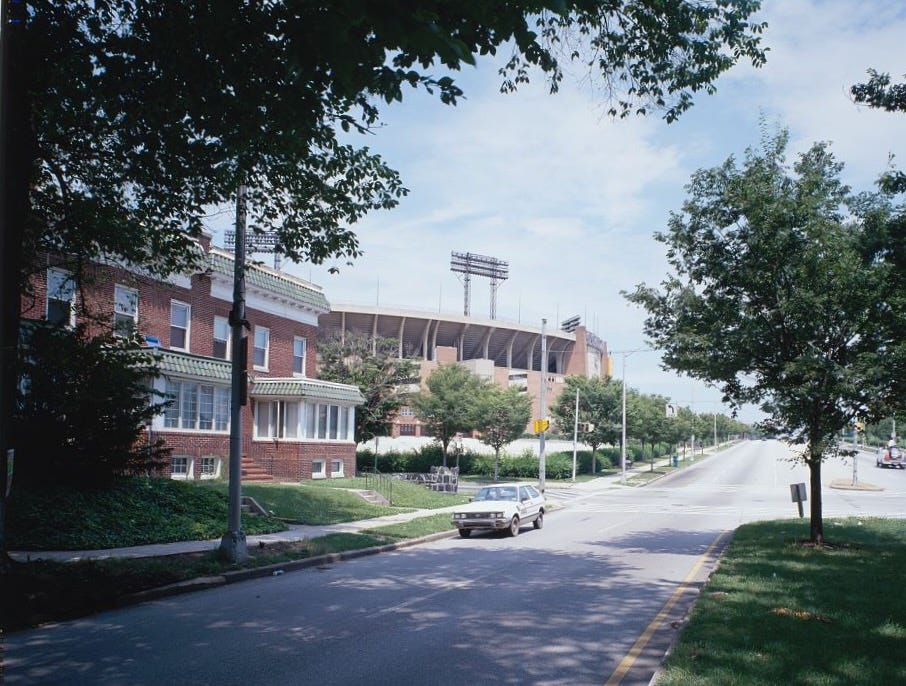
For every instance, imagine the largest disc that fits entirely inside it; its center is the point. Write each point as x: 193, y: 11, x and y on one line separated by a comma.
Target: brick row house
x: 295, y: 426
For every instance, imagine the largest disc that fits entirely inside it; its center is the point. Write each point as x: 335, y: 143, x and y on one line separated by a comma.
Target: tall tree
x: 84, y: 409
x: 447, y: 406
x: 374, y: 365
x: 600, y: 404
x: 123, y: 121
x: 501, y: 415
x: 776, y: 296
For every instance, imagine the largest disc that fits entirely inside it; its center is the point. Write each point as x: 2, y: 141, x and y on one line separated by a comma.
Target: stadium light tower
x: 470, y: 264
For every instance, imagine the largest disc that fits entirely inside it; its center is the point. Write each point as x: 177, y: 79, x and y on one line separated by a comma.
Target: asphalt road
x: 595, y: 597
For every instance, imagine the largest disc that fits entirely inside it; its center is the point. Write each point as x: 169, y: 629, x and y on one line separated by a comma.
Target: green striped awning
x: 312, y: 389
x: 175, y: 363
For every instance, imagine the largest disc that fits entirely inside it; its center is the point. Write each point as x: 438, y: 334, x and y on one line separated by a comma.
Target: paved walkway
x: 296, y: 532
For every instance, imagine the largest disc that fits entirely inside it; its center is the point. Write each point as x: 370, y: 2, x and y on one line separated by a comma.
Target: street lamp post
x: 575, y: 434
x: 625, y: 354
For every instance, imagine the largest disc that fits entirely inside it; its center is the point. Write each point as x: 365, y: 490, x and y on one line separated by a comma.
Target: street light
x: 625, y: 354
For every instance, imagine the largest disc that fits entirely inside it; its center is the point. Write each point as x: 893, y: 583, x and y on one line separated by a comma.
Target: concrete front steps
x: 252, y: 472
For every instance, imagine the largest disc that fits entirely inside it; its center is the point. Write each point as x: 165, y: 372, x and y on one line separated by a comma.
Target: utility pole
x: 542, y: 467
x: 575, y: 434
x: 233, y: 544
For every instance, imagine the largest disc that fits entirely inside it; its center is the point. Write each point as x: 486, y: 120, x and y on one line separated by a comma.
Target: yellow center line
x: 629, y: 660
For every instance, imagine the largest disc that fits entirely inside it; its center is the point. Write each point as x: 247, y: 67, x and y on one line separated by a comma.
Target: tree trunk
x: 815, y: 509
x: 496, y: 463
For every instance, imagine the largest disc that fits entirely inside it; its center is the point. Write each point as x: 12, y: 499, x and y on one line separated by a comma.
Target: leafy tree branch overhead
x: 146, y: 114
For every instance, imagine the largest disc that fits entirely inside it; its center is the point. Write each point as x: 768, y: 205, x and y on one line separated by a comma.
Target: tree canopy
x: 447, y: 406
x: 777, y: 294
x: 372, y: 364
x: 501, y: 415
x: 600, y: 404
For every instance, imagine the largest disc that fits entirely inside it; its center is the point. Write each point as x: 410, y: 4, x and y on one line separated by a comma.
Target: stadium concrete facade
x: 504, y: 352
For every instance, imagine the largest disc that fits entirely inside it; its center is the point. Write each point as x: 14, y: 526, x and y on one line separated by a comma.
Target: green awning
x: 175, y: 363
x: 311, y: 389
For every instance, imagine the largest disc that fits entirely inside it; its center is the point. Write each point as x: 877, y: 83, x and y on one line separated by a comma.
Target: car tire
x: 465, y: 533
x: 514, y: 526
x: 539, y: 521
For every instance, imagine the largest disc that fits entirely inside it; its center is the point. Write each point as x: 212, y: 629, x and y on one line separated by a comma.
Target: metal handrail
x: 382, y: 483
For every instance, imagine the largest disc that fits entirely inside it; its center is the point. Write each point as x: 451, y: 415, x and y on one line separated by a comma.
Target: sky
x: 571, y: 198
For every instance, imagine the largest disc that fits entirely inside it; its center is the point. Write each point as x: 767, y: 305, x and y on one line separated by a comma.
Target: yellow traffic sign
x: 541, y: 425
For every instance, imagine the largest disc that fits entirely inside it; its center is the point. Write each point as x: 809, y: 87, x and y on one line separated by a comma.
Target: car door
x: 530, y: 502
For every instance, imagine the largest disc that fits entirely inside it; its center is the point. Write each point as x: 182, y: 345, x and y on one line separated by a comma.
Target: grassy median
x: 779, y: 610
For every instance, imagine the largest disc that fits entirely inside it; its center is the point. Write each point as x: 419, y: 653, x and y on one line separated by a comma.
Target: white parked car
x: 507, y: 506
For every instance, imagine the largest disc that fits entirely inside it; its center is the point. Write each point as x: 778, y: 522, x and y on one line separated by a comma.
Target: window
x: 299, y: 346
x: 210, y: 467
x: 197, y: 406
x: 125, y: 310
x: 407, y: 411
x: 259, y: 354
x: 221, y: 338
x: 336, y: 468
x: 60, y: 298
x: 332, y: 421
x: 180, y: 315
x: 278, y: 419
x: 300, y: 420
x: 407, y: 429
x: 317, y: 470
x: 180, y: 467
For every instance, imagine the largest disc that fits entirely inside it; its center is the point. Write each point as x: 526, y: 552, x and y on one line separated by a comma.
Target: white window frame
x: 319, y: 469
x: 266, y: 333
x: 187, y: 329
x: 60, y: 283
x: 191, y: 391
x: 213, y: 460
x: 334, y: 472
x: 190, y: 468
x: 125, y: 308
x: 225, y: 322
x: 297, y: 340
x: 285, y: 419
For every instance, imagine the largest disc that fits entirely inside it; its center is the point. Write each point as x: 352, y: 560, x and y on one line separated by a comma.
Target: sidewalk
x: 296, y: 532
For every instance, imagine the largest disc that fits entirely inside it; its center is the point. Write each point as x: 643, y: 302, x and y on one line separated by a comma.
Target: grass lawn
x: 779, y: 611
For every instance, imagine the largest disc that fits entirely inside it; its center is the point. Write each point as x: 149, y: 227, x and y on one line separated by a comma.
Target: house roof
x: 177, y: 363
x: 278, y: 283
x: 307, y: 388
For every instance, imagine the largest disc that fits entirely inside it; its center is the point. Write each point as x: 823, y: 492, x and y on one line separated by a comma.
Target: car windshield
x: 497, y: 493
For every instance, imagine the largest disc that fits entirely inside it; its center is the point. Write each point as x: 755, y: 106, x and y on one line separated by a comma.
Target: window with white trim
x: 125, y: 310
x: 299, y: 348
x: 318, y: 470
x: 209, y: 467
x: 60, y: 297
x: 406, y: 411
x: 260, y: 348
x: 336, y: 468
x: 221, y: 338
x: 180, y: 316
x: 181, y: 467
x: 294, y: 419
x: 200, y: 407
x: 278, y: 419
